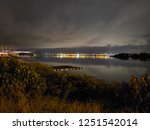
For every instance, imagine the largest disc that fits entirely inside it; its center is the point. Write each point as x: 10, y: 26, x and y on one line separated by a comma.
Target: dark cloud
x: 61, y: 23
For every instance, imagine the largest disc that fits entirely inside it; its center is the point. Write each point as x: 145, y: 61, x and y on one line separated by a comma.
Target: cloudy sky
x: 74, y: 23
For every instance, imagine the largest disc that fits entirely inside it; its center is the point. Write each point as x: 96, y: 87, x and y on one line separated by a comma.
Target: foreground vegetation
x: 33, y: 87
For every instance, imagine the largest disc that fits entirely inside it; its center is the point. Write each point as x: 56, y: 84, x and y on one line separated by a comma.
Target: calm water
x: 109, y: 69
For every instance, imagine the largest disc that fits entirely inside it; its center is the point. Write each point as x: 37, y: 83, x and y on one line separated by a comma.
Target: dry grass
x: 48, y: 105
x: 11, y: 106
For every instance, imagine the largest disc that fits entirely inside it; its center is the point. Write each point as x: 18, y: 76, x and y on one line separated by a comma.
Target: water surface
x: 111, y: 69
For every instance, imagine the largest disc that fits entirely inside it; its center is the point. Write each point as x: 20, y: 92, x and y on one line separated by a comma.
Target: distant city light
x: 78, y: 55
x: 81, y: 56
x: 61, y: 55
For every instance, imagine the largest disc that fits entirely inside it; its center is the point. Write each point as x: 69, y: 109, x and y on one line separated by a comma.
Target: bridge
x: 5, y: 53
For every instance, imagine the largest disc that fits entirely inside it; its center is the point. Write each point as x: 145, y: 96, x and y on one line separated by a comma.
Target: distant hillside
x: 107, y: 49
x: 133, y: 56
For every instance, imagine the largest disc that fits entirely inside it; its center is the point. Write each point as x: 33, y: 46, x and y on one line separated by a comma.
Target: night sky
x: 74, y: 23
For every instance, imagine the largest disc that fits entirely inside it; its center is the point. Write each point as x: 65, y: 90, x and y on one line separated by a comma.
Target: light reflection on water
x: 109, y: 69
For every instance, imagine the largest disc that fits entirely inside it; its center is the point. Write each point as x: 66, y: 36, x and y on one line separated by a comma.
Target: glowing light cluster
x: 65, y: 55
